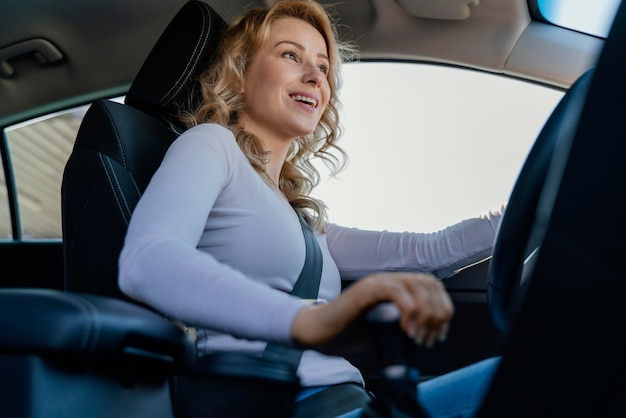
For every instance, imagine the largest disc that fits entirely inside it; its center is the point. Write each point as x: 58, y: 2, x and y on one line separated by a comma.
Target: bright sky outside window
x: 593, y: 17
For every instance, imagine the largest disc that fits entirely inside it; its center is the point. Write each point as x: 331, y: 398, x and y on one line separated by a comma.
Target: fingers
x: 434, y: 312
x: 425, y: 306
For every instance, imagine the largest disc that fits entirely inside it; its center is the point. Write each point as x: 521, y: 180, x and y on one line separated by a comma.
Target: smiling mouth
x: 304, y: 99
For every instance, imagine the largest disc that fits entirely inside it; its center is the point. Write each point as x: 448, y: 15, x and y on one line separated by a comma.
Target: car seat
x: 119, y: 147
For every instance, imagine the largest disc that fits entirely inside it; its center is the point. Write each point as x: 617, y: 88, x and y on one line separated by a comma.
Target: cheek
x: 325, y: 94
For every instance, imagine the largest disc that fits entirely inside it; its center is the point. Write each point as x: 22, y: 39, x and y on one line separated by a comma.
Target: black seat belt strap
x: 306, y: 287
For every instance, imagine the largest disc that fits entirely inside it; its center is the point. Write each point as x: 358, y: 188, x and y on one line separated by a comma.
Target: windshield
x: 592, y: 17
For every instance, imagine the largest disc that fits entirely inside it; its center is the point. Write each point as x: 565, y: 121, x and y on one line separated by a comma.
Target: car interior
x: 563, y: 356
x: 87, y: 347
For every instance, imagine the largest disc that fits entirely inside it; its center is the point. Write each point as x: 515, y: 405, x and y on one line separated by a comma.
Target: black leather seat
x: 77, y: 355
x: 119, y: 147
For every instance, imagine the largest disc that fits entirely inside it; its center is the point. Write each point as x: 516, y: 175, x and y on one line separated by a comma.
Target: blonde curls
x: 222, y: 99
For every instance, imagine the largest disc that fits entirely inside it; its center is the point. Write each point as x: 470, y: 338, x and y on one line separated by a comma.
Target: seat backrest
x: 565, y: 354
x: 120, y: 146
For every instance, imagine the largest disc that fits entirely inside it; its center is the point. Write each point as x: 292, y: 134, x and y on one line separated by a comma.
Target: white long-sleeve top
x: 210, y: 242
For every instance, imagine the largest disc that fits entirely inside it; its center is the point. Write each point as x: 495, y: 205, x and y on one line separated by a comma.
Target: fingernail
x: 443, y: 335
x: 419, y: 336
x: 411, y: 331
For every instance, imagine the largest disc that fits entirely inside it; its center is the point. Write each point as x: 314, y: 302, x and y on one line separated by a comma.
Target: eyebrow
x: 301, y: 47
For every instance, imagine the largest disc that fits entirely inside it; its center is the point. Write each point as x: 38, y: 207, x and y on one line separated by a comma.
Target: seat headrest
x: 183, y: 50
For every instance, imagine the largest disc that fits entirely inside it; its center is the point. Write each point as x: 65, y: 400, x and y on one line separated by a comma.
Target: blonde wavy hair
x: 223, y: 98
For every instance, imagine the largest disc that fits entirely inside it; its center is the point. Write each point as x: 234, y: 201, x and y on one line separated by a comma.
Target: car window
x: 5, y: 217
x: 429, y: 145
x: 39, y: 150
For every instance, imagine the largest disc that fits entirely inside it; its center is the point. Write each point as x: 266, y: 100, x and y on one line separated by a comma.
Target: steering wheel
x: 537, y: 184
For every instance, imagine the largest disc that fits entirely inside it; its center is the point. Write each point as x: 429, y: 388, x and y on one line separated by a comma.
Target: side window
x: 5, y: 215
x: 429, y: 145
x: 39, y: 150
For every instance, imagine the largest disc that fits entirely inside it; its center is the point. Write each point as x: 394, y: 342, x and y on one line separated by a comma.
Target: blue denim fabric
x: 457, y: 394
x: 460, y: 393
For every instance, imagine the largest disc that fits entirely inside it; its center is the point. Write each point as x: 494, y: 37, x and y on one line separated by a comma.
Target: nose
x: 313, y: 75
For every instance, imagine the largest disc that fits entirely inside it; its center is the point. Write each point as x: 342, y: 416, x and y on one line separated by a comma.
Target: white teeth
x: 304, y: 99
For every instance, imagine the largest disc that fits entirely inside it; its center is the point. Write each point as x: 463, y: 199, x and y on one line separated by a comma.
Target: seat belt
x: 335, y: 399
x: 306, y: 287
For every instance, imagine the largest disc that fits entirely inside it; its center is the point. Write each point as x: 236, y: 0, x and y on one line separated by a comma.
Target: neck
x: 276, y: 146
x: 278, y: 156
x: 278, y: 150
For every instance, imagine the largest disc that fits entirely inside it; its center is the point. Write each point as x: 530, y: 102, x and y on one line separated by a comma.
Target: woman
x: 215, y: 241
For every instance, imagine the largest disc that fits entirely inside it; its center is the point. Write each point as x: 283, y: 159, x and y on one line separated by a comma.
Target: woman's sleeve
x: 360, y: 252
x: 160, y: 264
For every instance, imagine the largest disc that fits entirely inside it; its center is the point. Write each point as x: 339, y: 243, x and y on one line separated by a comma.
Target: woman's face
x: 286, y: 87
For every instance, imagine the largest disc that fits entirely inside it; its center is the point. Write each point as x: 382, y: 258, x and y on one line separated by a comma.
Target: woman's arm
x: 161, y: 265
x: 360, y: 252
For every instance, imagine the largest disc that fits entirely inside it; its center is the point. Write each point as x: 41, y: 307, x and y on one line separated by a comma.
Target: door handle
x: 43, y: 50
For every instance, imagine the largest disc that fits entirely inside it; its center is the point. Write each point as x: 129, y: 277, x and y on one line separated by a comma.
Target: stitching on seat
x: 178, y: 85
x: 113, y: 189
x: 117, y: 136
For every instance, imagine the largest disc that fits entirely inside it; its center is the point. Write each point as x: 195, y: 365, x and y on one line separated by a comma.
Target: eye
x: 291, y: 55
x: 323, y: 68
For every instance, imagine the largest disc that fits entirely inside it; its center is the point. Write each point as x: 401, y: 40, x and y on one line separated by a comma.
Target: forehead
x: 291, y: 29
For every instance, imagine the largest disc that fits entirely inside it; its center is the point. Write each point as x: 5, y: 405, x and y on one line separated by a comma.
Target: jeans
x: 458, y: 394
